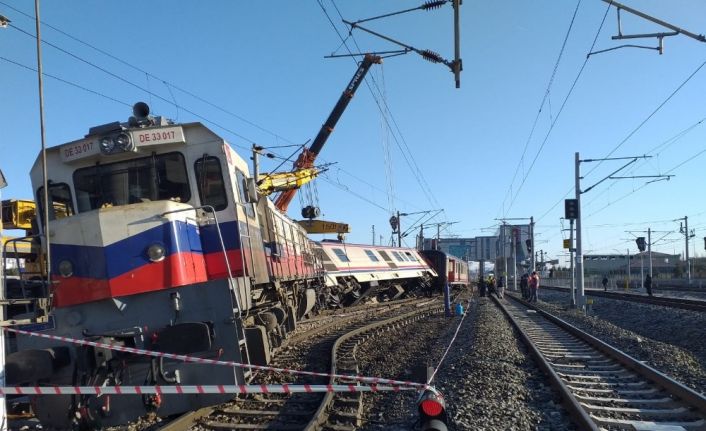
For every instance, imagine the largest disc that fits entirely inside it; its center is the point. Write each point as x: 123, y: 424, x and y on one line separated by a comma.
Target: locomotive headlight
x: 107, y: 145
x: 156, y: 252
x: 123, y: 142
x: 66, y: 269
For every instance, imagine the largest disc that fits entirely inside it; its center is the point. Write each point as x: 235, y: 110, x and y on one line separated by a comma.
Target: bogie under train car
x: 159, y: 241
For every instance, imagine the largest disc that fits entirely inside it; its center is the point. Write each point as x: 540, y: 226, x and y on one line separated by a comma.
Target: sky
x: 409, y: 140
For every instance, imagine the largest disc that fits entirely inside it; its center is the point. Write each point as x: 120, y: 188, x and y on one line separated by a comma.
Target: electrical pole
x: 399, y: 230
x: 628, y: 250
x: 649, y: 249
x: 642, y: 268
x: 438, y: 236
x: 513, y: 248
x: 504, y: 242
x: 3, y: 408
x: 686, y: 239
x: 373, y: 234
x: 685, y: 231
x: 421, y: 237
x: 571, y: 260
x: 531, y: 234
x: 580, y: 297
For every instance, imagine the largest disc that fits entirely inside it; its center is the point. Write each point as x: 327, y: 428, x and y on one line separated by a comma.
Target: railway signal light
x: 641, y: 244
x: 432, y: 411
x: 394, y: 222
x: 571, y: 209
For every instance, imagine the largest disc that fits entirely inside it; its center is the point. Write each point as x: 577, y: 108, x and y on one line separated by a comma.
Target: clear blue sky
x: 264, y: 62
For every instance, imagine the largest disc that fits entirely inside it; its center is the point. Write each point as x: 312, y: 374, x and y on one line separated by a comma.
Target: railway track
x: 604, y: 388
x: 682, y: 303
x: 331, y: 346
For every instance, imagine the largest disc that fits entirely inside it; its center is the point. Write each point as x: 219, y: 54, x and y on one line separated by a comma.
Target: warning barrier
x: 193, y: 359
x: 195, y: 389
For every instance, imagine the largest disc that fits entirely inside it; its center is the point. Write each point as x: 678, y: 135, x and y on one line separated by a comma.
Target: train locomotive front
x: 157, y: 241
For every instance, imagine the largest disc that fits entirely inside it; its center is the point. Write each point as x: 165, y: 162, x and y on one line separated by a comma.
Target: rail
x: 320, y: 417
x: 602, y: 364
x: 682, y: 303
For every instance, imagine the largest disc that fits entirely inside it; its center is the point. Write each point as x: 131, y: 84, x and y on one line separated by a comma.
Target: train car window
x: 410, y: 256
x: 372, y: 256
x: 153, y: 178
x: 385, y: 256
x: 397, y: 255
x: 60, y: 198
x: 341, y: 255
x: 209, y: 182
x: 242, y: 193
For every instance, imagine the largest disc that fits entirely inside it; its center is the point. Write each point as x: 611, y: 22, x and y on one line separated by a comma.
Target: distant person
x: 605, y: 283
x: 533, y: 286
x: 524, y: 286
x: 501, y: 287
x: 481, y: 286
x: 491, y: 285
x: 648, y: 284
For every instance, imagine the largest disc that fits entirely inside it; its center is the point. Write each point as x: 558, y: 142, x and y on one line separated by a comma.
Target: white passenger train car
x: 361, y: 271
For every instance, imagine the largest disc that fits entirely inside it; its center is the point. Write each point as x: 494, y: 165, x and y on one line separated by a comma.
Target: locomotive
x: 159, y: 240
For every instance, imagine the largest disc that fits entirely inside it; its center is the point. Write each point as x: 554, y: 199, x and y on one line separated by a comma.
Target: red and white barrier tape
x: 194, y: 359
x: 194, y: 389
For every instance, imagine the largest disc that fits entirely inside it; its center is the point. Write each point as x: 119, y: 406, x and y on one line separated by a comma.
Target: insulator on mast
x: 432, y: 56
x: 430, y: 5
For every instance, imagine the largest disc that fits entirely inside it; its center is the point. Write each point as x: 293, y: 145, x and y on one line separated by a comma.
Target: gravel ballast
x: 487, y: 378
x: 668, y: 339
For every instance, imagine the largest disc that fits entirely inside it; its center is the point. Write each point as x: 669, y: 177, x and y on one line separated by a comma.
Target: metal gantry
x: 660, y: 35
x: 513, y: 250
x: 580, y: 295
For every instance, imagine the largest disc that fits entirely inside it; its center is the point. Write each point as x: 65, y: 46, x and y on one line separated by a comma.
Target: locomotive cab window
x: 60, y: 198
x: 209, y: 181
x: 153, y: 178
x: 341, y: 255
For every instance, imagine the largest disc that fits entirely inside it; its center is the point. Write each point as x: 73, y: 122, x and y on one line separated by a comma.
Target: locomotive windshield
x: 153, y: 178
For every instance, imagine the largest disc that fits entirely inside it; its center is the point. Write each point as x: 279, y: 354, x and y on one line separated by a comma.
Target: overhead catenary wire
x: 632, y: 133
x: 384, y: 108
x: 148, y: 91
x: 168, y: 84
x: 139, y: 87
x: 65, y: 81
x: 545, y: 98
x: 559, y: 112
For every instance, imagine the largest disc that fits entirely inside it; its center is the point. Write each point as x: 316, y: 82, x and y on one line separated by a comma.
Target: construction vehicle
x: 24, y: 297
x: 304, y: 170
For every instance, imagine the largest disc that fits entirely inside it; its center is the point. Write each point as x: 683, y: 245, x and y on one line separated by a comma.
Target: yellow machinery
x: 18, y: 214
x: 283, y: 181
x: 22, y: 302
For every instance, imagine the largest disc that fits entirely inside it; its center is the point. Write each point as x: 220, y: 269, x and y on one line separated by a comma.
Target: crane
x: 304, y: 170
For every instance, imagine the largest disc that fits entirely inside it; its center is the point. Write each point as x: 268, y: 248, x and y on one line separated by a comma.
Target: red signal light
x: 432, y: 411
x: 431, y: 407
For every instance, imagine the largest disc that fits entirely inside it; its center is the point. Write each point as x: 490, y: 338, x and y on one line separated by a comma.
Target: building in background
x: 616, y: 264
